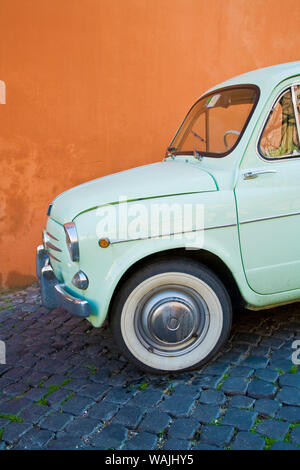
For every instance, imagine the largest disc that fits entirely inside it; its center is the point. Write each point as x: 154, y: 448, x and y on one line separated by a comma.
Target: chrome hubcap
x: 171, y: 320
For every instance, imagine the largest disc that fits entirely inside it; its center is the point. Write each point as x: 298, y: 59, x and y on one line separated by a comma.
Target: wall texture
x: 98, y: 86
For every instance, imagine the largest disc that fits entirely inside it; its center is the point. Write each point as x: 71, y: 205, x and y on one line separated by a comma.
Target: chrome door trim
x: 113, y: 242
x: 296, y: 111
x: 269, y: 218
x: 282, y: 158
x: 250, y: 175
x: 210, y: 228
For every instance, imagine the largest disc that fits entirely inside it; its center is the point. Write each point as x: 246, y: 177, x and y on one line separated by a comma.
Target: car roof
x: 265, y: 78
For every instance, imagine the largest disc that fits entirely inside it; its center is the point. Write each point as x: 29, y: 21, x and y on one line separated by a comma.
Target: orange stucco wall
x: 98, y: 86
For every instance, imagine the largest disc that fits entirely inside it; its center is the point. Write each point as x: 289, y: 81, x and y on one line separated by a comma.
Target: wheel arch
x: 205, y: 257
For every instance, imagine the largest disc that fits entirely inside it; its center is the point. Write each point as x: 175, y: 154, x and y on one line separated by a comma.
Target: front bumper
x: 53, y: 293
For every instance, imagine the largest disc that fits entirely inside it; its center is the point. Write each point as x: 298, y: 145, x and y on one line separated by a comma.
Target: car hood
x: 161, y: 179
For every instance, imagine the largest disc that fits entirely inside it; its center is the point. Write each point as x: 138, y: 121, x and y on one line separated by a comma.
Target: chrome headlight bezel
x: 72, y: 240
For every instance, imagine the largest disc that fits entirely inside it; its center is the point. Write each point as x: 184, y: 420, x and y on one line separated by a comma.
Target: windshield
x: 216, y: 122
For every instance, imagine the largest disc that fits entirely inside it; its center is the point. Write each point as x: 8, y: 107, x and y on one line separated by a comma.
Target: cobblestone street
x: 64, y: 386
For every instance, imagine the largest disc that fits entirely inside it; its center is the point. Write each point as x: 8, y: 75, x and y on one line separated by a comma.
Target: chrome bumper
x: 53, y: 293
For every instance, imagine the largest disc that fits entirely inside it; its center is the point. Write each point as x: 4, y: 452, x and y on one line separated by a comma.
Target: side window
x: 297, y: 102
x: 280, y: 137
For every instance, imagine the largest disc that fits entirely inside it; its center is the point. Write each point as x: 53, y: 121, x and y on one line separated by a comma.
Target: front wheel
x: 171, y: 316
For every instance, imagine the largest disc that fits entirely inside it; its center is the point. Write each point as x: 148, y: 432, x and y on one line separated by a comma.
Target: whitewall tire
x: 171, y: 316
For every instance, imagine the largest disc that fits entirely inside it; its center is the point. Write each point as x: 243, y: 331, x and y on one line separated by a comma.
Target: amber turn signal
x: 104, y: 242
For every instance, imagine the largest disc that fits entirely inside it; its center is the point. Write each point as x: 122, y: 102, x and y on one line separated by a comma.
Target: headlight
x: 72, y: 240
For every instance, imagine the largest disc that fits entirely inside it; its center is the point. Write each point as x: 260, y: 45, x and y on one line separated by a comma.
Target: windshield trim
x: 206, y: 95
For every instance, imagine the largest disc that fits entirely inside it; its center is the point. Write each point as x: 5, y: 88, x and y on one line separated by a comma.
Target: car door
x: 268, y: 200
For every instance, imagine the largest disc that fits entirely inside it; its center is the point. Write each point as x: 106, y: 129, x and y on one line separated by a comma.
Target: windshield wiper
x: 198, y: 136
x: 170, y: 151
x: 196, y: 154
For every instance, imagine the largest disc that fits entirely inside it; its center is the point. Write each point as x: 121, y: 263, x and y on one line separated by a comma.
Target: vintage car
x: 166, y: 251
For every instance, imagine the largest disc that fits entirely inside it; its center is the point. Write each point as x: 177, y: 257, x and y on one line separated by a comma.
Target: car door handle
x: 250, y: 175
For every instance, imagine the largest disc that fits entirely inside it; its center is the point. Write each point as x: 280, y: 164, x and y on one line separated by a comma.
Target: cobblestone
x: 130, y: 416
x: 217, y: 435
x: 242, y: 402
x: 243, y: 420
x: 249, y: 441
x: 261, y: 389
x: 178, y: 408
x: 289, y: 413
x: 35, y: 439
x: 155, y: 422
x: 176, y: 444
x: 142, y: 441
x: 184, y: 428
x: 83, y: 427
x: 291, y: 380
x: 266, y: 407
x: 235, y: 386
x: 273, y: 428
x: 112, y: 436
x: 283, y: 446
x: 65, y: 386
x: 56, y: 421
x: 13, y: 431
x: 207, y: 413
x: 289, y: 396
x: 212, y: 397
x: 295, y: 436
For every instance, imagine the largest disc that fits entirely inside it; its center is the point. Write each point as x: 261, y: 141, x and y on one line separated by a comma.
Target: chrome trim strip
x: 296, y: 111
x: 269, y: 218
x: 171, y: 234
x: 209, y: 228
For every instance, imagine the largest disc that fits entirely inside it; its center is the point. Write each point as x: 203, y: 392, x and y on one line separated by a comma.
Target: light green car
x: 166, y: 250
